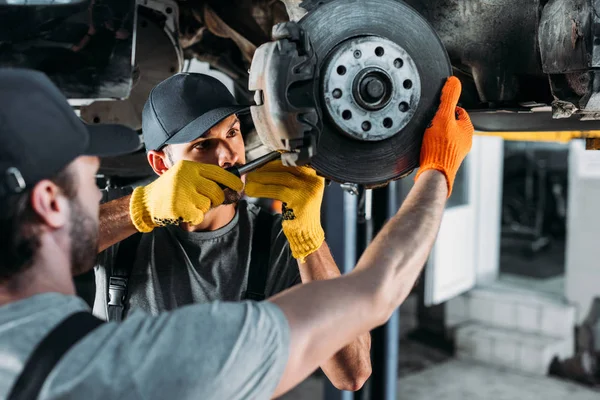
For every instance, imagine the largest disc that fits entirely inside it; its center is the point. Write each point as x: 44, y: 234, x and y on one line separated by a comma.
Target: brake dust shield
x: 381, y: 69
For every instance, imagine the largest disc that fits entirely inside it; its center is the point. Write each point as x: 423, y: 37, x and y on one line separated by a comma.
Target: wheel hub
x: 371, y: 88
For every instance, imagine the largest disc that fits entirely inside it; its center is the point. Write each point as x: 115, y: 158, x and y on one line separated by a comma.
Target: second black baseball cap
x: 184, y: 107
x: 40, y: 134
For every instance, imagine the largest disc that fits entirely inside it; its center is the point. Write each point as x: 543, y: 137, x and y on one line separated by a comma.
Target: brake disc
x: 381, y: 68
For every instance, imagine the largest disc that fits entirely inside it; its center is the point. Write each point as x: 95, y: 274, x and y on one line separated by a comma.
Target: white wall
x: 582, y: 278
x: 489, y: 208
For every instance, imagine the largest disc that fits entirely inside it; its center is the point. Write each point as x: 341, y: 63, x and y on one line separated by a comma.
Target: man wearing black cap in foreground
x: 200, y: 243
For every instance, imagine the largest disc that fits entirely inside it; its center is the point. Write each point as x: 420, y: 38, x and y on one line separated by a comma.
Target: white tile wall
x: 528, y: 318
x: 480, y: 308
x: 457, y: 311
x: 505, y: 352
x: 505, y: 314
x: 530, y: 353
x: 531, y: 359
x: 557, y: 321
x: 525, y: 312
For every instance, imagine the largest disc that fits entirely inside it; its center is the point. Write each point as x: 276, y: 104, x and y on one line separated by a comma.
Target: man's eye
x: 201, y: 146
x: 232, y: 133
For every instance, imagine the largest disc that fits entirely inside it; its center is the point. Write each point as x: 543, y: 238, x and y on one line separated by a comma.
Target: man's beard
x: 231, y: 196
x: 84, y: 239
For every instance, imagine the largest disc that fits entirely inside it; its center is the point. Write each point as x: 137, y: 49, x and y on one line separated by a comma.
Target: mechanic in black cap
x: 190, y: 241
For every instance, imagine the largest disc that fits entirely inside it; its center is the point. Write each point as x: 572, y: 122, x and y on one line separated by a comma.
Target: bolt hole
x: 96, y: 120
x: 366, y: 126
x: 168, y: 10
x: 144, y: 24
x: 387, y: 123
x: 403, y: 107
x: 347, y: 114
x: 337, y: 93
x: 341, y: 70
x: 379, y: 51
x: 398, y: 63
x: 357, y: 54
x: 407, y: 84
x: 172, y: 70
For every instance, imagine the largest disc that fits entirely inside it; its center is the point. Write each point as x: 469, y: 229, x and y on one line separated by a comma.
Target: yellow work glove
x: 182, y: 194
x: 448, y: 139
x: 301, y: 191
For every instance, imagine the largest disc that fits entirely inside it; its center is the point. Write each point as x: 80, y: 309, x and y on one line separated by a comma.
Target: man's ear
x: 158, y: 161
x: 50, y: 204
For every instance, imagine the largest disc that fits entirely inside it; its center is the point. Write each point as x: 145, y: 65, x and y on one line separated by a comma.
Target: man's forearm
x: 324, y: 316
x: 115, y: 223
x: 350, y: 367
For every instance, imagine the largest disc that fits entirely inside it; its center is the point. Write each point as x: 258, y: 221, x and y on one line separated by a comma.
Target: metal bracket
x: 351, y: 188
x: 117, y: 289
x: 170, y: 10
x: 284, y: 77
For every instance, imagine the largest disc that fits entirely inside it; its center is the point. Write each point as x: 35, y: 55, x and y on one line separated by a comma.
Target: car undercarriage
x: 347, y: 85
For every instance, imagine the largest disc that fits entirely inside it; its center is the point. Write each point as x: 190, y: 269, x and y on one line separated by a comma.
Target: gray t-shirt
x: 209, y: 351
x: 173, y: 267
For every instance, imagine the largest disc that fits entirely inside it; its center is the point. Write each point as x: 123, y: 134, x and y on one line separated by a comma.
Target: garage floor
x: 468, y: 380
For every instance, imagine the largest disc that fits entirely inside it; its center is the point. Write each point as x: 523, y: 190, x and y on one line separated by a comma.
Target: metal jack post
x: 343, y: 247
x: 364, y: 213
x: 364, y: 238
x: 385, y: 339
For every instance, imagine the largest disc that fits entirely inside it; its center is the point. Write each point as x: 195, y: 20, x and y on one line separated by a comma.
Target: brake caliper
x: 284, y: 77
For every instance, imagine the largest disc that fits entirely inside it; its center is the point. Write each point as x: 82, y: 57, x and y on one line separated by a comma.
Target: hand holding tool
x: 184, y: 193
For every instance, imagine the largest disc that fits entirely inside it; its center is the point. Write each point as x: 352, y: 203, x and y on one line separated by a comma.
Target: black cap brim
x: 109, y: 140
x: 198, y: 127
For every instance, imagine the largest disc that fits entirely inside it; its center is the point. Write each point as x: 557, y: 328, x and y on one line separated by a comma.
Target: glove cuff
x: 304, y: 241
x: 443, y: 158
x: 138, y: 212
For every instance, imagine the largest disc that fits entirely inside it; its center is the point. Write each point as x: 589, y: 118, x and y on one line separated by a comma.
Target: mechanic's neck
x: 50, y: 273
x: 215, y: 219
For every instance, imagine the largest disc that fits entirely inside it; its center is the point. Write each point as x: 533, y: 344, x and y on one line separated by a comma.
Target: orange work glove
x: 449, y: 137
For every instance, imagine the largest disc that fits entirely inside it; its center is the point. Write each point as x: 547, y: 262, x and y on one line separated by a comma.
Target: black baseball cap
x: 40, y: 134
x: 183, y: 107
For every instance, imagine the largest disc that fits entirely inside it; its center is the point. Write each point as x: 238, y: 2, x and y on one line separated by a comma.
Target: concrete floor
x: 468, y: 380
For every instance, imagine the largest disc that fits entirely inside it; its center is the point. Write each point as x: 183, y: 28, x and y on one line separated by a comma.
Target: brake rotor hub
x: 371, y: 87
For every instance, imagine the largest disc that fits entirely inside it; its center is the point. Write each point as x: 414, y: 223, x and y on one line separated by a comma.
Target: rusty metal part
x: 168, y: 9
x: 85, y: 49
x: 217, y: 26
x: 310, y: 5
x: 495, y: 41
x: 564, y: 43
x: 536, y: 121
x: 157, y: 58
x: 295, y: 9
x: 592, y: 144
x: 283, y: 77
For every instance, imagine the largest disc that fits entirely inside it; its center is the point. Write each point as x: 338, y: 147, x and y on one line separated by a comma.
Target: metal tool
x: 252, y: 165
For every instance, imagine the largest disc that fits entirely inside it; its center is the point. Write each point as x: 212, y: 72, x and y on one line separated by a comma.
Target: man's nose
x: 226, y: 155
